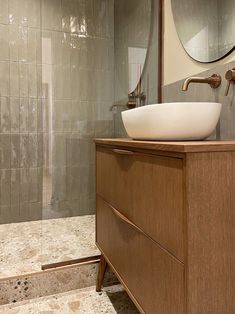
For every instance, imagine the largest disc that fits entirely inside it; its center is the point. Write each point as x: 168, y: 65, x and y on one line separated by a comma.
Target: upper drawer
x: 148, y: 190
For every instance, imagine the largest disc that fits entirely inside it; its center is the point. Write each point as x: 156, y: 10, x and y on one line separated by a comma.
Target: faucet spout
x: 214, y: 81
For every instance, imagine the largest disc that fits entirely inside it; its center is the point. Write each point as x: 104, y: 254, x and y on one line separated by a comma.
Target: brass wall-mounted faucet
x: 230, y: 77
x: 214, y: 81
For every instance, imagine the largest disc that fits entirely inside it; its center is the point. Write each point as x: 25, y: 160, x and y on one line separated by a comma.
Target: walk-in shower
x: 56, y: 86
x: 63, y: 64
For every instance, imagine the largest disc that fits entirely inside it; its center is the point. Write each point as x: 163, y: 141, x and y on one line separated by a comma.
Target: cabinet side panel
x: 210, y: 202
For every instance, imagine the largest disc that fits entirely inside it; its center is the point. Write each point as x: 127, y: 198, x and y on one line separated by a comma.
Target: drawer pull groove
x: 124, y: 219
x: 123, y: 152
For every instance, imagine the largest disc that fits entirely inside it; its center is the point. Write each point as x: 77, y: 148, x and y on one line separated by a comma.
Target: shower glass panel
x: 77, y: 79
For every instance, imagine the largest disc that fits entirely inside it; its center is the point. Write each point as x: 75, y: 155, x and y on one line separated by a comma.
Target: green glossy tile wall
x: 21, y: 102
x: 56, y: 87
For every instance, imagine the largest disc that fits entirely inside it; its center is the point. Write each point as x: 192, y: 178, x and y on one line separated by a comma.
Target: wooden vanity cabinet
x: 165, y: 223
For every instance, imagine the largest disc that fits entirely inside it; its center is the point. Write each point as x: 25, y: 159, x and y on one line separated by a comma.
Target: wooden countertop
x: 181, y: 147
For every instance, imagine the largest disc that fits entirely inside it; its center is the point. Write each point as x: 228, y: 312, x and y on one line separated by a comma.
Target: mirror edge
x: 160, y: 50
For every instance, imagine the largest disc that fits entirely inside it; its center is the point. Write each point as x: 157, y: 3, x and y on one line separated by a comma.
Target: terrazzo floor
x: 25, y: 247
x: 83, y: 301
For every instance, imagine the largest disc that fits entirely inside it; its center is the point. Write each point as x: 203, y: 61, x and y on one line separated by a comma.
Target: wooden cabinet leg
x: 101, y: 273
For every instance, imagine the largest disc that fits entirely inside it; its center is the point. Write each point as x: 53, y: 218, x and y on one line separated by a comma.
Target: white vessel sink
x: 172, y: 121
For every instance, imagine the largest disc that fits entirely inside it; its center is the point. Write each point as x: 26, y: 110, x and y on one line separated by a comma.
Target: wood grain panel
x: 180, y: 147
x: 154, y: 279
x: 148, y: 190
x: 210, y: 182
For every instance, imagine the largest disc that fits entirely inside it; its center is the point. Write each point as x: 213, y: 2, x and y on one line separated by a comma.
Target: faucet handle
x: 230, y: 77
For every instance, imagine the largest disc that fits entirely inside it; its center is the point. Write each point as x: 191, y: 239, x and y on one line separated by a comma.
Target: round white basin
x: 172, y: 121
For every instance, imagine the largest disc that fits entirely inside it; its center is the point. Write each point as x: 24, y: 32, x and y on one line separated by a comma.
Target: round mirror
x: 206, y: 28
x: 132, y: 20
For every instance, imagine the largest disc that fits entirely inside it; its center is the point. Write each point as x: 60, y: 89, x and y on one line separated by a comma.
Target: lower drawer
x: 154, y: 278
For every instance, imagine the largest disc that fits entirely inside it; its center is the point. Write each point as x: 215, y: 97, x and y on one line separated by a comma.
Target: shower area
x: 66, y: 69
x: 56, y: 87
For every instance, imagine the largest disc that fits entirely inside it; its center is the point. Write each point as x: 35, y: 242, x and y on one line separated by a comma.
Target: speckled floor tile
x: 84, y: 301
x: 24, y: 247
x: 51, y: 282
x: 68, y: 238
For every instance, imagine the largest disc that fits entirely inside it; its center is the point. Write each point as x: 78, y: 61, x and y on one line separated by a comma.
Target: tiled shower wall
x: 56, y: 66
x: 21, y: 101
